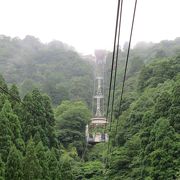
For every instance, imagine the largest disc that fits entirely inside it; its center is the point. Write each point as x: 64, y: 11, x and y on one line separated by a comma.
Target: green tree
x: 43, y: 160
x: 28, y: 128
x: 163, y: 140
x: 15, y: 102
x: 50, y: 122
x: 31, y: 165
x: 66, y: 163
x: 14, y: 165
x: 39, y: 118
x: 163, y: 105
x: 2, y: 169
x: 135, y: 65
x: 175, y: 108
x: 89, y: 170
x: 53, y: 165
x: 14, y: 123
x: 3, y: 96
x: 5, y: 135
x: 72, y: 118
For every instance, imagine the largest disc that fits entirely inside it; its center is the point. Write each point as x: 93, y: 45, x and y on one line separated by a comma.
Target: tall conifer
x: 2, y: 169
x: 14, y: 165
x: 5, y: 135
x: 43, y: 160
x: 31, y: 166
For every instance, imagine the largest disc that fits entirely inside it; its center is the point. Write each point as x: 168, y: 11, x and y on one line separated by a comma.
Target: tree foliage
x: 55, y: 68
x: 147, y: 143
x: 39, y: 142
x: 72, y: 118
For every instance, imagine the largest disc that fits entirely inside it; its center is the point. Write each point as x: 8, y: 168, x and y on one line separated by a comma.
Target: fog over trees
x: 42, y: 129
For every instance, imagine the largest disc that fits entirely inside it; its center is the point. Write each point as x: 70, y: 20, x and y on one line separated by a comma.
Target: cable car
x: 95, y: 131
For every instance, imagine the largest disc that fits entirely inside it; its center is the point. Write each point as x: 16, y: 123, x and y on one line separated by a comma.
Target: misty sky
x: 89, y: 24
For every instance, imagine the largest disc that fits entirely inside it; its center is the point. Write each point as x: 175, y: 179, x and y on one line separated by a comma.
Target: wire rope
x: 124, y: 77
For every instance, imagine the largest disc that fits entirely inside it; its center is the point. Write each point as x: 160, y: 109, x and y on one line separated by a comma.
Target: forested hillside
x: 146, y: 145
x: 33, y: 145
x: 41, y: 142
x: 54, y: 68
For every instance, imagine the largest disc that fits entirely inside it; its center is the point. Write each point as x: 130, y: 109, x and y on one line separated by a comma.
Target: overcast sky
x: 89, y: 24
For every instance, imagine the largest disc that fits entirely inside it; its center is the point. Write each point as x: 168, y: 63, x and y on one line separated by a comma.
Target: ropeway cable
x: 114, y: 60
x: 32, y: 111
x: 124, y: 77
x: 126, y: 65
x: 116, y: 64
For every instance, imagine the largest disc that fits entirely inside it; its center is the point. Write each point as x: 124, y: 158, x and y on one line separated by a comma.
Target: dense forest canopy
x: 54, y: 68
x: 42, y: 130
x: 147, y: 142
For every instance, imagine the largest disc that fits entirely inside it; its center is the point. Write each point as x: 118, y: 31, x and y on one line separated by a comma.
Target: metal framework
x: 95, y: 129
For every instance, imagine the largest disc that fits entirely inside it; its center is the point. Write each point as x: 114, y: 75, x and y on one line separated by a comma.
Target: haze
x: 89, y: 24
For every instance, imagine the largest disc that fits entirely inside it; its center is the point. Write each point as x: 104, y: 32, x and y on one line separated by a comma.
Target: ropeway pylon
x: 95, y: 129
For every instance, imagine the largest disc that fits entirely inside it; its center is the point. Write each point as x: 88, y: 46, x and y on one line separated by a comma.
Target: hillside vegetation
x: 54, y: 68
x: 147, y: 142
x: 39, y: 142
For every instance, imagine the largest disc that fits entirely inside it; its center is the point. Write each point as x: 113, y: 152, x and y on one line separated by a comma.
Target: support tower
x: 95, y: 129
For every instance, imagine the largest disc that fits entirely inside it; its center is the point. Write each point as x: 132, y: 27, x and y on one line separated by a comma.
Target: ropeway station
x: 95, y: 129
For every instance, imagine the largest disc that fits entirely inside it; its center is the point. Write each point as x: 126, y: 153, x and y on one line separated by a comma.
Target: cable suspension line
x: 114, y: 68
x: 112, y: 65
x: 32, y: 111
x: 116, y: 64
x: 124, y: 76
x: 126, y: 65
